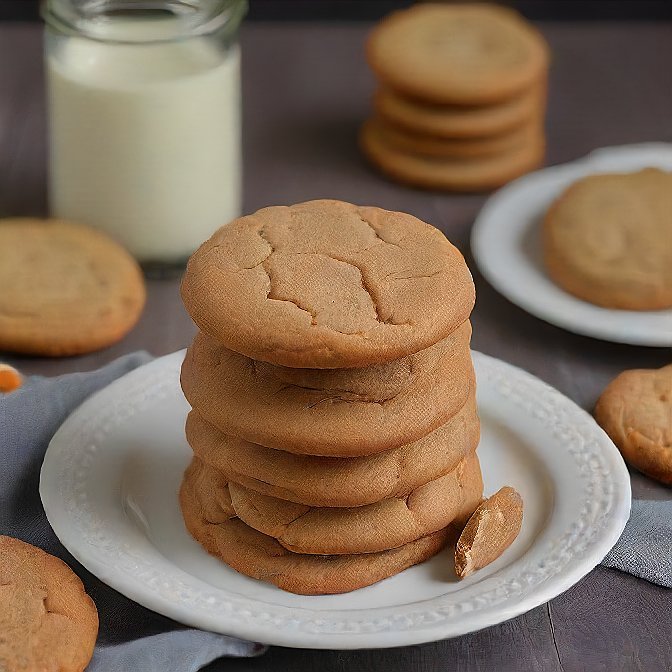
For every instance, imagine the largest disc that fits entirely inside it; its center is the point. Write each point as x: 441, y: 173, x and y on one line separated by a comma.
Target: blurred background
x: 367, y: 10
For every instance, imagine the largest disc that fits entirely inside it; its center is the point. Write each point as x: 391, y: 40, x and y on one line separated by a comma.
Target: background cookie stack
x: 462, y: 96
x: 334, y: 422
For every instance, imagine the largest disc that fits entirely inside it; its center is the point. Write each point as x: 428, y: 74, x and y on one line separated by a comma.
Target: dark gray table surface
x: 306, y: 90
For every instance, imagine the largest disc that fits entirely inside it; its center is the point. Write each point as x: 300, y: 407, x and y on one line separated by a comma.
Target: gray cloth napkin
x: 131, y: 637
x: 645, y: 547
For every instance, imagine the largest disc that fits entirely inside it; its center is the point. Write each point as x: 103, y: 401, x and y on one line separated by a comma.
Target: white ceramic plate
x: 109, y: 487
x: 506, y: 246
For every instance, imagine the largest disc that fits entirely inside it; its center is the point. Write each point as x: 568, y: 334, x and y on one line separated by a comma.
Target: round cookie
x: 606, y: 240
x: 474, y: 54
x: 262, y: 557
x: 67, y: 289
x: 326, y: 284
x: 476, y: 174
x: 375, y: 527
x: 460, y: 122
x: 47, y: 621
x: 335, y: 481
x: 299, y: 411
x: 635, y: 409
x: 428, y: 145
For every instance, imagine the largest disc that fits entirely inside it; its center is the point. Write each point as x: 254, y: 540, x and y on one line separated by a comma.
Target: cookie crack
x: 375, y: 231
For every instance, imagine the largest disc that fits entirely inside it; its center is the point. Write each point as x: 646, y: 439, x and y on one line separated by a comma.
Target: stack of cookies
x: 461, y: 99
x: 334, y: 423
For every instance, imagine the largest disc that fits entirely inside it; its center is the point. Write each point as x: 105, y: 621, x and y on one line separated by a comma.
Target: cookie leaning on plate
x: 301, y: 411
x: 334, y: 481
x: 635, y: 409
x: 67, y: 289
x: 47, y: 621
x: 262, y: 557
x: 606, y: 240
x: 457, y: 54
x: 327, y: 284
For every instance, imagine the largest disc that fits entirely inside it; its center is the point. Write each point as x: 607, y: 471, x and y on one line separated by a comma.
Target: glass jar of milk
x: 145, y: 119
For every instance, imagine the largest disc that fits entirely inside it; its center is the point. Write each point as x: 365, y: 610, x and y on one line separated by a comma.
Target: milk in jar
x: 145, y: 121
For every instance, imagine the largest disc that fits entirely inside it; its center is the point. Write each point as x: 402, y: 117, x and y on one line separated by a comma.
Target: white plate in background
x: 109, y: 487
x: 506, y: 245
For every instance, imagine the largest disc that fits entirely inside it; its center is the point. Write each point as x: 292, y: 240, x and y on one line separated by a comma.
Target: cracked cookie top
x: 327, y: 284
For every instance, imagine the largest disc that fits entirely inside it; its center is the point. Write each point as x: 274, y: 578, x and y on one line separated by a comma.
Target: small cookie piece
x: 490, y: 531
x: 461, y: 122
x: 422, y: 144
x: 337, y: 481
x: 380, y: 526
x: 47, y: 621
x: 635, y: 410
x: 10, y: 378
x: 327, y: 284
x: 335, y: 413
x: 262, y: 557
x: 471, y: 54
x: 608, y: 240
x: 67, y: 289
x: 475, y: 174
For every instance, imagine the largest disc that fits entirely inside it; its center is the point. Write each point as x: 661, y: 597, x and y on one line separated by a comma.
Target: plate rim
x: 507, y: 285
x: 269, y: 632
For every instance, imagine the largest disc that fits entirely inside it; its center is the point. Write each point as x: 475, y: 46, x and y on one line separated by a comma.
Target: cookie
x: 67, y: 289
x: 327, y: 284
x: 47, y: 621
x: 334, y: 481
x: 454, y: 122
x: 428, y: 145
x: 262, y: 557
x: 474, y: 54
x: 635, y: 410
x: 299, y: 411
x: 491, y: 529
x: 475, y: 174
x: 375, y: 527
x: 606, y: 240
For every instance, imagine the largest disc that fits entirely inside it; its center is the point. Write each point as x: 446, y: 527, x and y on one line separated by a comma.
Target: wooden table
x: 306, y: 90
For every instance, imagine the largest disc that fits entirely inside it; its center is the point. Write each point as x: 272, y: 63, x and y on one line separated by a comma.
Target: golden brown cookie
x: 327, y: 284
x: 635, y: 410
x: 471, y: 54
x: 67, y: 289
x: 608, y: 240
x: 336, y: 481
x: 338, y: 413
x: 475, y: 174
x: 431, y: 146
x: 490, y: 531
x: 461, y: 122
x: 262, y: 557
x: 47, y: 621
x: 375, y: 527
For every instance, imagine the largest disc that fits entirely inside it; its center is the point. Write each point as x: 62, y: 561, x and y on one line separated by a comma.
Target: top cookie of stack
x: 461, y: 99
x: 326, y: 284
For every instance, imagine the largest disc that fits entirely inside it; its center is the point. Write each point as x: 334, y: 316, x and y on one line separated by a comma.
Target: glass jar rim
x: 195, y: 17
